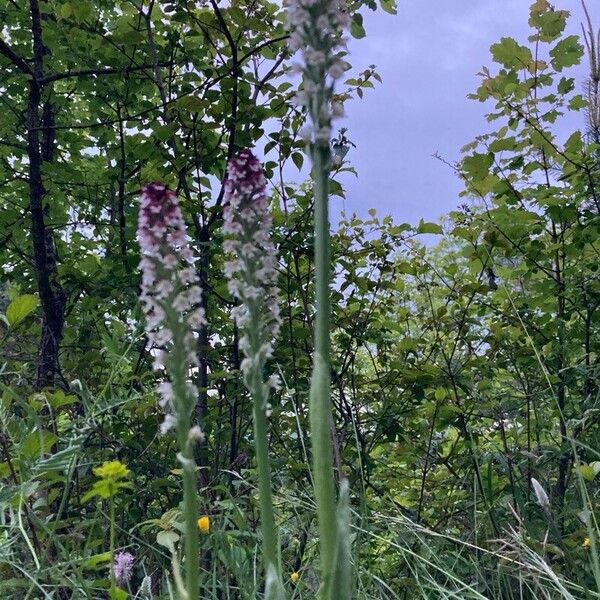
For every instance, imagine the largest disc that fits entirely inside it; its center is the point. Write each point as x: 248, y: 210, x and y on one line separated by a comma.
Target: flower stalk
x: 170, y: 298
x: 316, y: 27
x: 252, y: 280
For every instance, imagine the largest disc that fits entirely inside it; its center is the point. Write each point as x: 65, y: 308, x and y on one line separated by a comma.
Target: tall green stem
x: 190, y: 493
x: 190, y: 499
x: 191, y: 530
x: 320, y: 396
x: 259, y: 394
x: 261, y: 442
x: 113, y: 581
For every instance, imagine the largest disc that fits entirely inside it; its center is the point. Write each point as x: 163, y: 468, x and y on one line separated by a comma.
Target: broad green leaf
x: 566, y: 53
x: 434, y: 228
x: 168, y: 539
x: 440, y: 394
x: 59, y: 398
x: 511, y: 54
x: 20, y: 308
x: 356, y: 26
x: 549, y: 22
x: 478, y: 165
x: 38, y: 443
x: 577, y: 102
x: 566, y: 85
x: 65, y: 10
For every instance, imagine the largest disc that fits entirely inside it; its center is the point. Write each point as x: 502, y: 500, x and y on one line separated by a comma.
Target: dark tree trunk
x: 40, y: 147
x: 201, y: 411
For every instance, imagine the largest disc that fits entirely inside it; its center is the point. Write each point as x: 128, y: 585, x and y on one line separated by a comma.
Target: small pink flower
x: 123, y: 567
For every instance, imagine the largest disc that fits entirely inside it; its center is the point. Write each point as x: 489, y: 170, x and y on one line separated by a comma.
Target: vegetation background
x: 464, y: 373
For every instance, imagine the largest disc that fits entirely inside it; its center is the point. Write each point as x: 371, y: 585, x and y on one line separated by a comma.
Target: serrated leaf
x: 566, y: 84
x: 566, y: 53
x: 38, y: 443
x: 59, y: 398
x: 478, y: 165
x: 511, y: 54
x: 550, y: 23
x: 577, y: 102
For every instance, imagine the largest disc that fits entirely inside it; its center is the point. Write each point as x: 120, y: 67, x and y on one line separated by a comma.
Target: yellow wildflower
x: 295, y: 576
x: 113, y: 470
x: 204, y: 524
x: 586, y: 543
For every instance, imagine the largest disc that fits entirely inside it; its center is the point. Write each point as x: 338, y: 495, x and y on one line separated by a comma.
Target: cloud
x: 429, y: 56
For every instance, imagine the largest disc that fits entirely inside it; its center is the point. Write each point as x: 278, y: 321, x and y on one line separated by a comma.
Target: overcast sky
x: 429, y: 56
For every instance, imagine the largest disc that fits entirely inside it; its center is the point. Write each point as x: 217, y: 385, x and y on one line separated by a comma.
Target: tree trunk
x: 40, y: 148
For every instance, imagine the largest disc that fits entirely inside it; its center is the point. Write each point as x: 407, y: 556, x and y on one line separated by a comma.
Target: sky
x: 428, y: 55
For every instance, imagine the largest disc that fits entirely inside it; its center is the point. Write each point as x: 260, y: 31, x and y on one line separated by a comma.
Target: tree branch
x: 97, y: 71
x: 15, y: 59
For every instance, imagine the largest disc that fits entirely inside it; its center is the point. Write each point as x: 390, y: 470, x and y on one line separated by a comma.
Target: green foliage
x: 20, y: 308
x: 460, y: 371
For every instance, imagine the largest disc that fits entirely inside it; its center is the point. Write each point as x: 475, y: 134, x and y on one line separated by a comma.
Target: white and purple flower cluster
x: 316, y: 28
x: 123, y: 567
x: 170, y: 295
x: 251, y: 271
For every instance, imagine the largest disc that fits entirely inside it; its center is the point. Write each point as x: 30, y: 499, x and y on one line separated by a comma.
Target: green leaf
x: 65, y: 11
x: 356, y: 26
x: 60, y: 461
x: 587, y: 472
x: 440, y: 394
x: 389, y: 6
x: 566, y: 85
x: 37, y: 443
x: 577, y: 102
x: 191, y: 103
x: 116, y: 593
x: 167, y: 539
x: 59, y: 398
x: 550, y: 23
x: 82, y: 10
x: 20, y: 308
x: 434, y: 228
x: 478, y: 165
x: 566, y: 53
x: 511, y: 54
x: 298, y: 159
x: 97, y: 561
